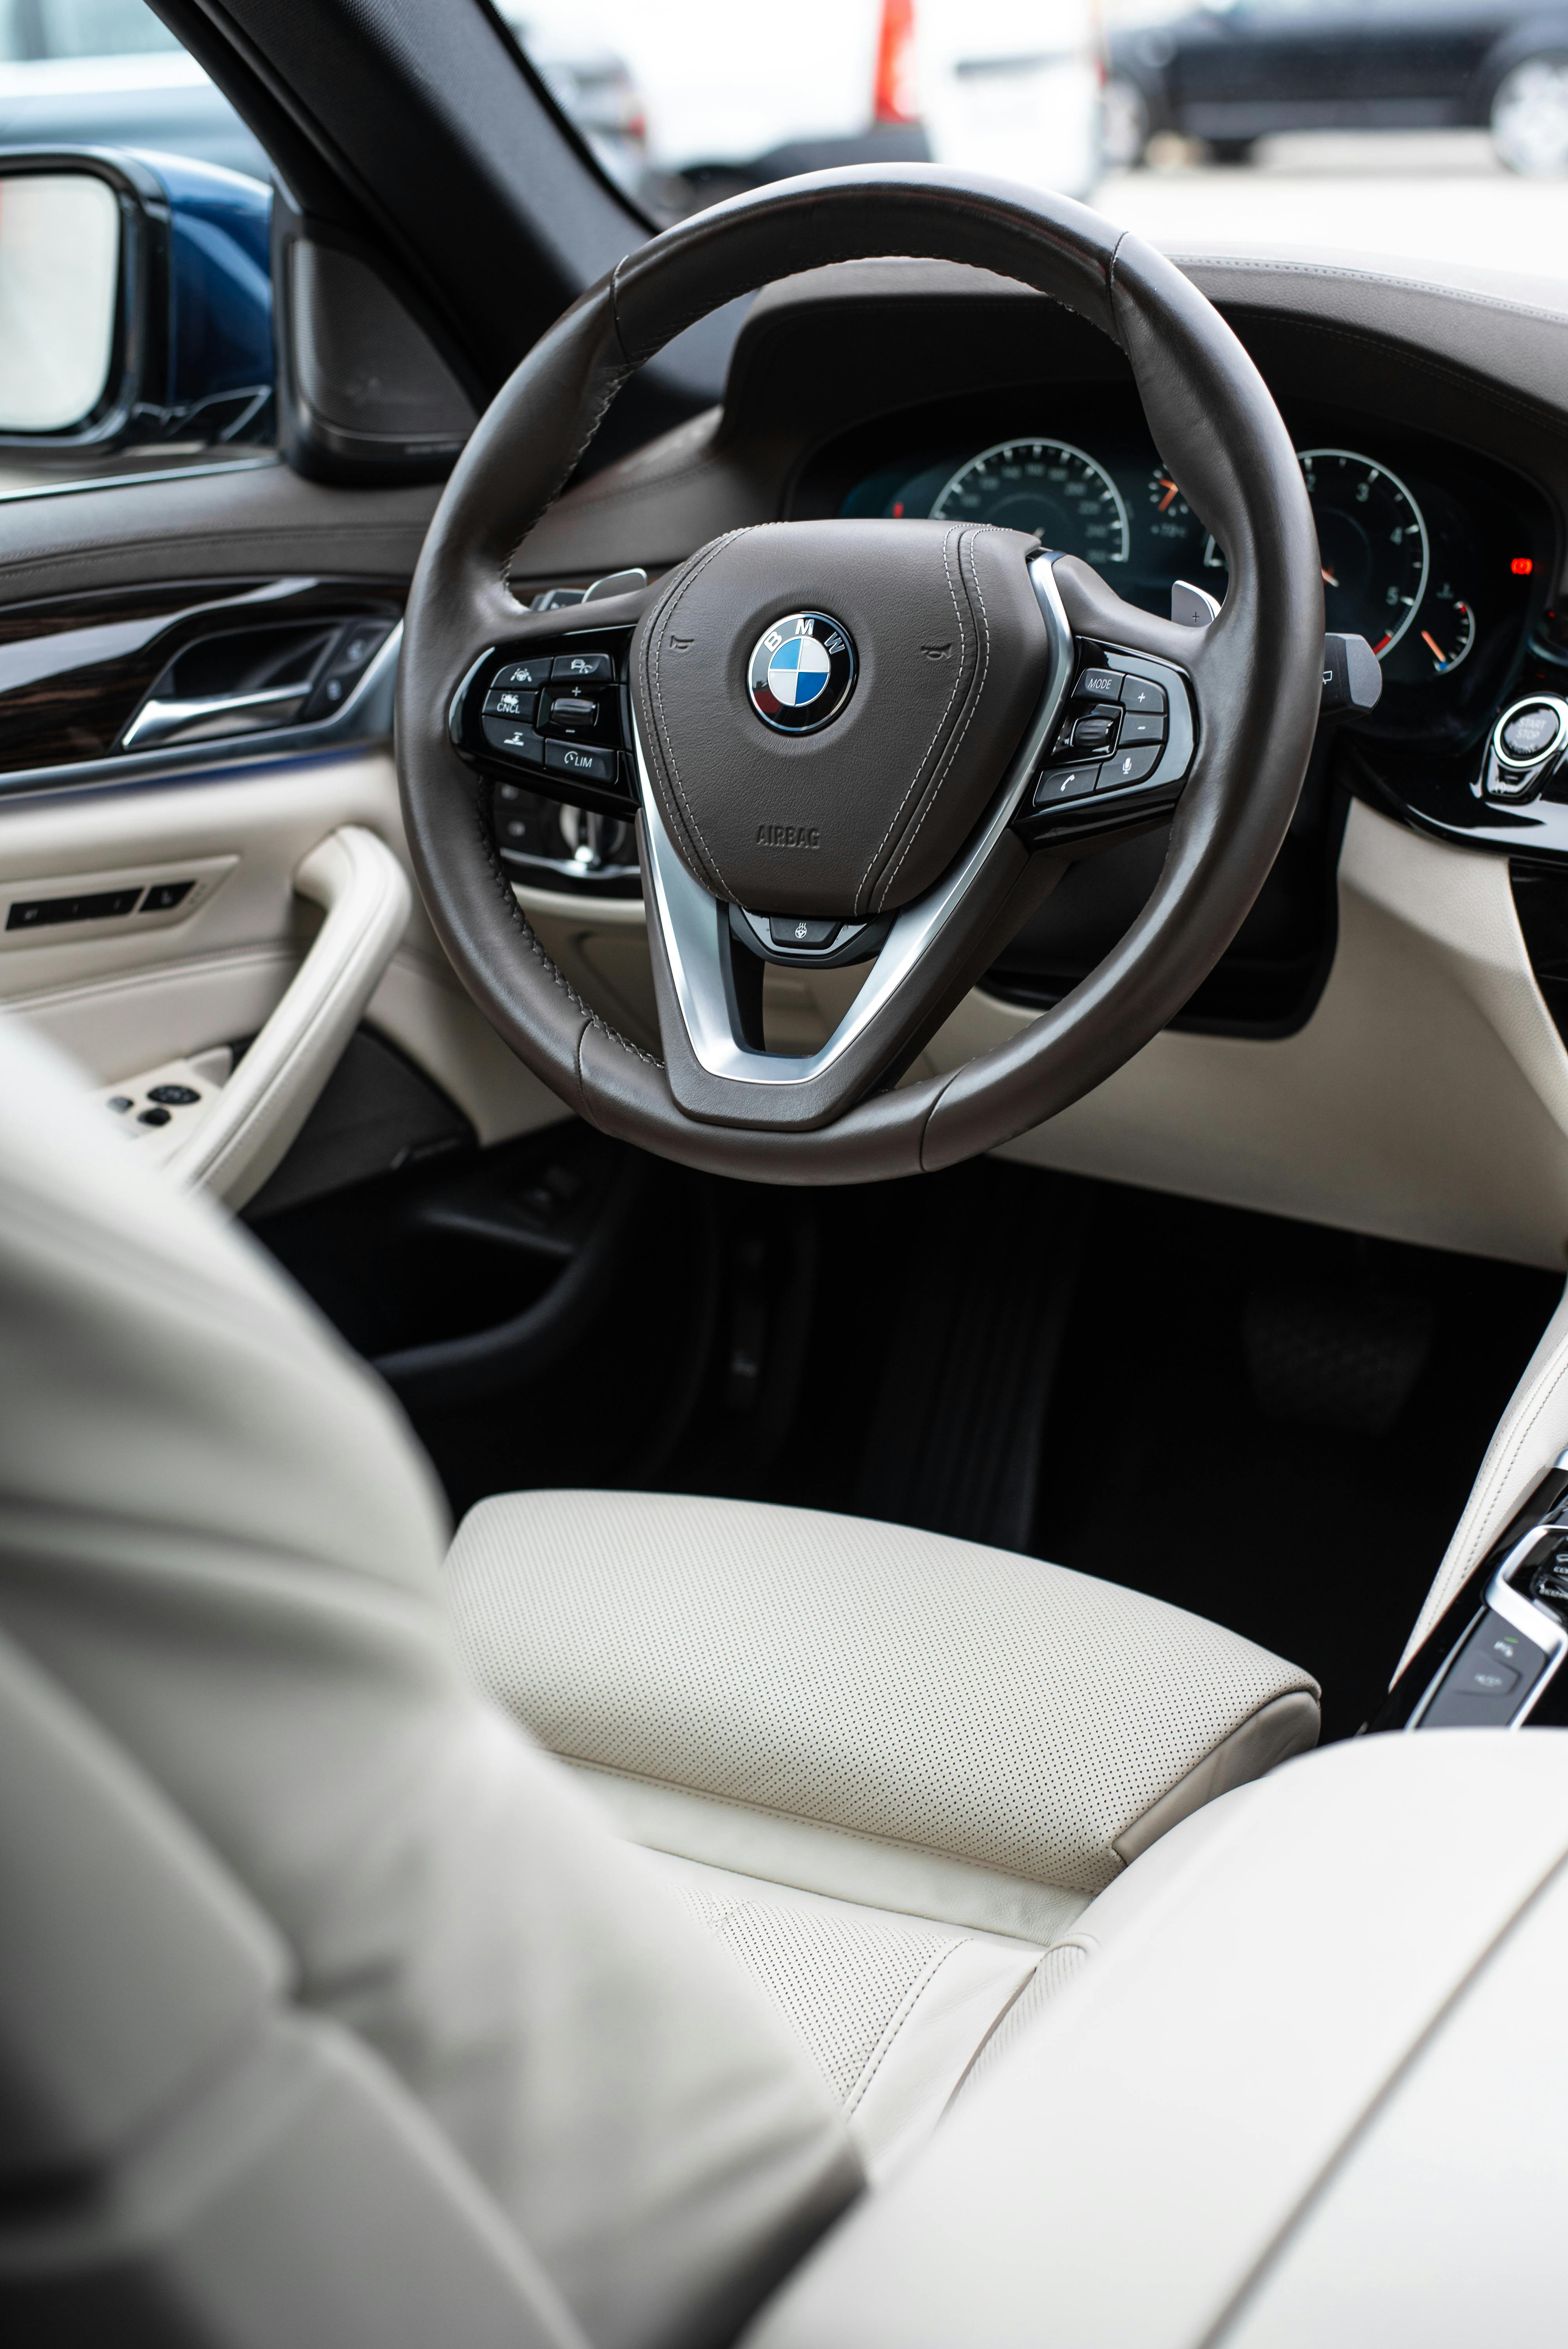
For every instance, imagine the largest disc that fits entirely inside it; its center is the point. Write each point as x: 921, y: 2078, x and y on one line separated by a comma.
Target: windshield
x: 1430, y: 132
x: 1425, y: 130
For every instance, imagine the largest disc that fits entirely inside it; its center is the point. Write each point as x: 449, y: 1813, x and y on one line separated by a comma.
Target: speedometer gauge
x: 1372, y: 540
x: 1047, y: 487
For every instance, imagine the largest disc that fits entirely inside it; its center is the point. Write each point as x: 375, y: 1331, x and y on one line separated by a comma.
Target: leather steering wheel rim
x: 1254, y: 673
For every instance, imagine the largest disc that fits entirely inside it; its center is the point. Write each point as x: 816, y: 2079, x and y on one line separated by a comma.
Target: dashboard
x: 1439, y: 559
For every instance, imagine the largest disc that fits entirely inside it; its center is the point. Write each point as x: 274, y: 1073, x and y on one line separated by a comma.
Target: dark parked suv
x: 1235, y: 70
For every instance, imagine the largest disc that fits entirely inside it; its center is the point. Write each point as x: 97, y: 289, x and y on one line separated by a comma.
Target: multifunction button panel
x: 1121, y: 751
x: 557, y: 712
x: 550, y: 723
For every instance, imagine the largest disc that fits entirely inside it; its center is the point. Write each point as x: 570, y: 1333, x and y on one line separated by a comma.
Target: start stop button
x: 1525, y: 742
x: 1532, y: 731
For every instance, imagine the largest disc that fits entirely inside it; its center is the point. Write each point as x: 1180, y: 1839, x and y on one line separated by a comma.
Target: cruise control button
x: 571, y: 709
x: 1130, y: 767
x: 795, y: 930
x: 1138, y: 694
x: 506, y: 703
x: 1065, y: 784
x: 1096, y: 734
x: 576, y: 759
x: 1098, y: 685
x: 515, y: 741
x: 588, y: 668
x: 528, y: 673
x: 1142, y: 728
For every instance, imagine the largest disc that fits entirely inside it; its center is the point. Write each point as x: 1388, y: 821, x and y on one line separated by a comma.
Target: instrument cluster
x: 1439, y: 559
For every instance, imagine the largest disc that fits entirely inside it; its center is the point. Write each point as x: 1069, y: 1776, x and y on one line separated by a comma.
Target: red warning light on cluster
x: 1522, y: 566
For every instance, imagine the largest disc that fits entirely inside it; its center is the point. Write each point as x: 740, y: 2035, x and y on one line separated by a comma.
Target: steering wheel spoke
x: 710, y: 952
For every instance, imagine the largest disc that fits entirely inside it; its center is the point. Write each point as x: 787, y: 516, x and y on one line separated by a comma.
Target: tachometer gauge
x: 1172, y: 515
x: 1175, y: 532
x: 1449, y: 630
x: 1373, y: 542
x: 1047, y: 487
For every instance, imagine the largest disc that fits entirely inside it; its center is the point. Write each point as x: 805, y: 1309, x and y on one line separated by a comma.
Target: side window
x: 96, y: 28
x: 170, y: 211
x: 108, y: 73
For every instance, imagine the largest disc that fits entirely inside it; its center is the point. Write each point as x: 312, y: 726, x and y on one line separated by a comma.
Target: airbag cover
x: 863, y: 815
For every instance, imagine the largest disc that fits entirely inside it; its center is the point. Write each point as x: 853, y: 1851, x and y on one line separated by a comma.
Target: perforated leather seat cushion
x: 893, y: 1684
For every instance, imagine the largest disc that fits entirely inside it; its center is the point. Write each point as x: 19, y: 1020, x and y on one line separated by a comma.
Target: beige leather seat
x: 319, y: 1951
x: 888, y: 1769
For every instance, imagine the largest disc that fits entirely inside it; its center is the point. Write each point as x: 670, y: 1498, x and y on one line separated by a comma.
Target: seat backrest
x: 218, y: 1538
x: 182, y: 2156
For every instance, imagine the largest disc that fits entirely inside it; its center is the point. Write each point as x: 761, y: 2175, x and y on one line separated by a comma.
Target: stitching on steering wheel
x: 982, y: 639
x: 952, y: 748
x: 519, y: 920
x: 745, y: 283
x: 617, y: 383
x: 655, y: 639
x: 895, y: 819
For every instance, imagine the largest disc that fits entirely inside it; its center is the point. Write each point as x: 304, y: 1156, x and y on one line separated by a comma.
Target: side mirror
x: 135, y: 306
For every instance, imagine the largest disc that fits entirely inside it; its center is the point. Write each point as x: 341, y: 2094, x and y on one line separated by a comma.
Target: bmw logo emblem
x: 803, y: 672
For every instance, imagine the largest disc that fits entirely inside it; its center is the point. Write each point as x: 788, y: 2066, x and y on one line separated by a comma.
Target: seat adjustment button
x: 1065, y: 784
x: 577, y: 759
x: 164, y: 895
x: 1130, y: 767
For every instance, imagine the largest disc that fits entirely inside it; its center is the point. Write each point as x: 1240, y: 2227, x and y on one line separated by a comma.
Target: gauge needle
x: 1436, y: 649
x: 1170, y: 489
x: 1328, y: 578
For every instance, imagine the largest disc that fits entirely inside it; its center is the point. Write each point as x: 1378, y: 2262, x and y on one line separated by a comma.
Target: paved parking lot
x: 1421, y: 195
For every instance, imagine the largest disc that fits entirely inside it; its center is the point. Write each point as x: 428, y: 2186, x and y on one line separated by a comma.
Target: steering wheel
x: 848, y: 741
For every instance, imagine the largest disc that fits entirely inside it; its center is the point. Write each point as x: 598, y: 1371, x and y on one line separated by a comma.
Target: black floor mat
x: 1277, y: 1426
x: 956, y: 1439
x: 1274, y: 1425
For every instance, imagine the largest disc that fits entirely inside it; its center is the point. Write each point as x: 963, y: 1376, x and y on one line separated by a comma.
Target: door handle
x: 250, y: 1126
x: 217, y: 715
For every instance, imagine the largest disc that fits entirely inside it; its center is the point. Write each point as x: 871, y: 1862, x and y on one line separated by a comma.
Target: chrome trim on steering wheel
x: 696, y: 927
